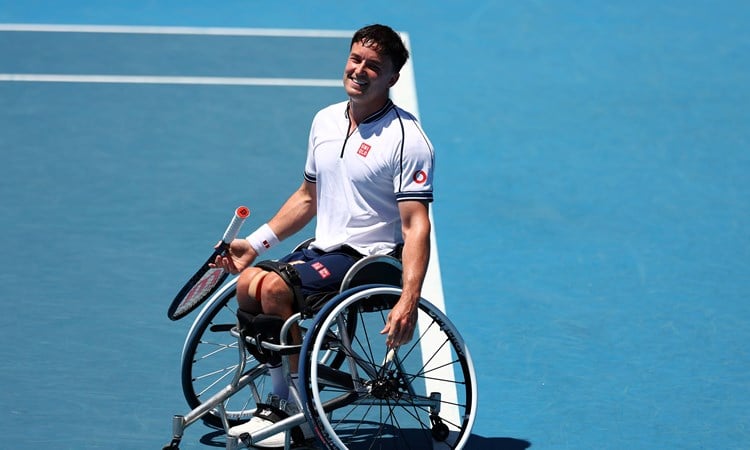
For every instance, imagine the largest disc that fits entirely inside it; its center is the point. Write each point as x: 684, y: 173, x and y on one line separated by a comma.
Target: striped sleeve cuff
x: 421, y: 196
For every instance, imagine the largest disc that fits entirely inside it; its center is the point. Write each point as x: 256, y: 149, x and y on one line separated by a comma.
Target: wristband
x: 262, y: 239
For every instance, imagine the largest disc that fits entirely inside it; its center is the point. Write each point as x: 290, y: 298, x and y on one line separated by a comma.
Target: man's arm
x: 416, y: 227
x: 295, y: 213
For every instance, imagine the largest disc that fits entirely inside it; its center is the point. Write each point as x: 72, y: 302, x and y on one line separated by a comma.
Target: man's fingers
x: 225, y: 263
x: 399, y: 331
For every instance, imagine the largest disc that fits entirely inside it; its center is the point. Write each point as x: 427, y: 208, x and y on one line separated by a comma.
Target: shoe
x: 266, y: 414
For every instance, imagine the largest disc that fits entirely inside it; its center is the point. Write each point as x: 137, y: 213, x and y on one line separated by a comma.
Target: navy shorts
x: 321, y: 271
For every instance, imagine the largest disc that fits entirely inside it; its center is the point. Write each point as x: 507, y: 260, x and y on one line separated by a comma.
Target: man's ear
x: 393, y: 80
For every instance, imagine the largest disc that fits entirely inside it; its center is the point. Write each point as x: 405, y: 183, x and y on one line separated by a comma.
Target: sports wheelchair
x: 352, y: 391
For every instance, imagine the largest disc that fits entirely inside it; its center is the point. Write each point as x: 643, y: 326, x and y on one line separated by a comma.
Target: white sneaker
x: 274, y: 410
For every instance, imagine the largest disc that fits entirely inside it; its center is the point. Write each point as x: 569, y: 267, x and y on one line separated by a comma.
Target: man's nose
x: 359, y: 68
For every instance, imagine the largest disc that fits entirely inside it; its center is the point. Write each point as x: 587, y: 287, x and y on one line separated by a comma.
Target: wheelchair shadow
x: 218, y: 439
x: 477, y: 442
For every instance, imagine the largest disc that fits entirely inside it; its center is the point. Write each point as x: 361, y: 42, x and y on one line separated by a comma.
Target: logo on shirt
x: 322, y: 270
x: 420, y: 176
x: 364, y: 149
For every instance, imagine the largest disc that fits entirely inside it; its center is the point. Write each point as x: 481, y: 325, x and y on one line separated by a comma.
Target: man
x: 368, y: 179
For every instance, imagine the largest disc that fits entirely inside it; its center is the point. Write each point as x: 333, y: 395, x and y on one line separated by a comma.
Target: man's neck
x: 361, y: 111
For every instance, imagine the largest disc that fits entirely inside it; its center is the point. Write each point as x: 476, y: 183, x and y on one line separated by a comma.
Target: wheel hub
x: 388, y: 386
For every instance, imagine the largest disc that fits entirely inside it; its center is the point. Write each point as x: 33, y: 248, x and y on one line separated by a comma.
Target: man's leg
x: 266, y: 292
x: 246, y: 283
x: 263, y: 292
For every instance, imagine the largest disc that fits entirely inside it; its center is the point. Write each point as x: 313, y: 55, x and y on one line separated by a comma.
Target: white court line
x: 124, y: 29
x: 404, y: 94
x: 147, y: 79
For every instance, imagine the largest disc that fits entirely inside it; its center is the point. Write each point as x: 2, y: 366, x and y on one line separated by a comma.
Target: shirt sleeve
x: 414, y: 172
x: 310, y: 169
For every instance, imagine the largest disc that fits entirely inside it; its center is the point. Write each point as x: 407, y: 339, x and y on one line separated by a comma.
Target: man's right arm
x: 296, y: 212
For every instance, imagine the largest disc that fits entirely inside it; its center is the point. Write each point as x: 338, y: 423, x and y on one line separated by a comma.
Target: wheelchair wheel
x: 210, y: 358
x: 422, y: 395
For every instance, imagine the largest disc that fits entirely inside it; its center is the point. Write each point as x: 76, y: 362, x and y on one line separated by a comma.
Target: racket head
x: 207, y: 279
x: 200, y: 286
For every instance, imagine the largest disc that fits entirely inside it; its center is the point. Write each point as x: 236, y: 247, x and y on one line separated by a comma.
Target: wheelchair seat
x: 374, y: 269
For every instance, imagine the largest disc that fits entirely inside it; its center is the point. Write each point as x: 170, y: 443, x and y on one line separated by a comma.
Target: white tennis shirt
x: 360, y: 178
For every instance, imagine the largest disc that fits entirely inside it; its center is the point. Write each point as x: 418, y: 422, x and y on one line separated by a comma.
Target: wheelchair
x: 352, y: 391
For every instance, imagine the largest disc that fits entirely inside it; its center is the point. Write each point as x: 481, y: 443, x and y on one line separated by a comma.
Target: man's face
x: 368, y: 76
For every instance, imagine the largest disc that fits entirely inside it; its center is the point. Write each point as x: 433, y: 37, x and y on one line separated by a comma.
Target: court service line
x: 147, y: 79
x: 209, y: 31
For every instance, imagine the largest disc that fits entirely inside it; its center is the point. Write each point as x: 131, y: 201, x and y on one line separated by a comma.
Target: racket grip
x: 240, y: 214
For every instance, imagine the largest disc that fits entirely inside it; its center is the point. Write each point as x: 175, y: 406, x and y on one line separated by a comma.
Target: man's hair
x: 385, y: 41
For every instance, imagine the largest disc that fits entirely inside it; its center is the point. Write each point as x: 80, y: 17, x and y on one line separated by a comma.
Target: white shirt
x: 360, y: 178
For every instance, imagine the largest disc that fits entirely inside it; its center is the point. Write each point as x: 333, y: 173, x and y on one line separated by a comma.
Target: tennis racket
x: 207, y: 279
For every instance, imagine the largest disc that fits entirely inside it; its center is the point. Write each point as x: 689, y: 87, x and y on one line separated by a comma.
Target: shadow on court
x: 215, y: 439
x: 496, y: 443
x: 218, y: 439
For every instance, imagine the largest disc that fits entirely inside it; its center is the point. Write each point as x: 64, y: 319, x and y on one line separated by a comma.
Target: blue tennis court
x: 591, y: 215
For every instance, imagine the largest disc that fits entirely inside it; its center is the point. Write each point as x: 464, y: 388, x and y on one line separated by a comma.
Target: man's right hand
x: 238, y: 257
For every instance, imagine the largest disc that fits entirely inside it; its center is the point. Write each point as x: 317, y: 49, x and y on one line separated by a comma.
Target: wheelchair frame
x: 354, y: 383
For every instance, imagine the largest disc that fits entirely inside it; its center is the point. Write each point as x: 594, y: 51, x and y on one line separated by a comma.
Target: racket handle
x: 240, y: 214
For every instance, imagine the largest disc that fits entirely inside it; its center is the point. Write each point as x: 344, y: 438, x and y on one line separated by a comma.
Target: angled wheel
x: 210, y: 358
x: 422, y: 395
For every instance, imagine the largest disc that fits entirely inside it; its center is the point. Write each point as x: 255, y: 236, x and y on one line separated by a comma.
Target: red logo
x: 420, y: 177
x: 364, y: 149
x: 322, y: 270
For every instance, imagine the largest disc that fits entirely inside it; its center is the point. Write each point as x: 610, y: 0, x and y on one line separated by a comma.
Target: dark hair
x: 385, y: 41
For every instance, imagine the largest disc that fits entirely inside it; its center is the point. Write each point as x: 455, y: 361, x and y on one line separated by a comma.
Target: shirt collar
x: 376, y: 115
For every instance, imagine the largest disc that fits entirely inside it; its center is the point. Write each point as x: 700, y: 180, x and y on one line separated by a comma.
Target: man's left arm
x: 416, y: 227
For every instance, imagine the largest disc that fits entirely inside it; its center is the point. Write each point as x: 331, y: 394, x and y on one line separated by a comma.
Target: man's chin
x: 354, y: 93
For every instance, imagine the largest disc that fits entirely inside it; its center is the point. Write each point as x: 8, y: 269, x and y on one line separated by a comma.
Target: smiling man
x: 368, y: 179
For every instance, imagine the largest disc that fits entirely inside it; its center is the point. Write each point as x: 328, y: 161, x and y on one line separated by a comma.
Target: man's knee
x: 246, y: 277
x: 247, y: 283
x: 275, y: 295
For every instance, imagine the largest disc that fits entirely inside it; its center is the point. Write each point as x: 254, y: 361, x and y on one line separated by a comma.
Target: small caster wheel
x: 174, y: 445
x: 440, y: 431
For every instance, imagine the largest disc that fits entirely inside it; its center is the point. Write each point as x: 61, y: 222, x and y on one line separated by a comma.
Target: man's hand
x: 401, y: 323
x: 239, y: 256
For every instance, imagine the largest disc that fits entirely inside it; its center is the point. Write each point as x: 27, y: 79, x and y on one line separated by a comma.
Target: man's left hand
x: 401, y: 323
